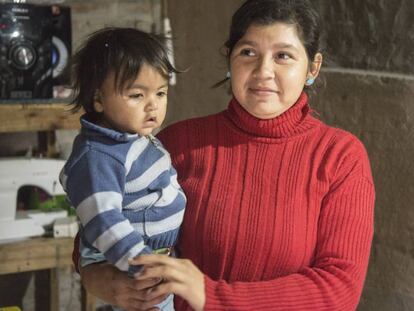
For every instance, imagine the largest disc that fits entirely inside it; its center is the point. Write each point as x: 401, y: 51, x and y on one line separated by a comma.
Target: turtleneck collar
x: 294, y: 121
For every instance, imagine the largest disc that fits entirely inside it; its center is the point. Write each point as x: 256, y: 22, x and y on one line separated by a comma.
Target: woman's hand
x: 179, y: 276
x: 115, y: 287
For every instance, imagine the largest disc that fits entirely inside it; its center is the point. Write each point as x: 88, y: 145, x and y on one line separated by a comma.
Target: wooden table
x: 37, y: 254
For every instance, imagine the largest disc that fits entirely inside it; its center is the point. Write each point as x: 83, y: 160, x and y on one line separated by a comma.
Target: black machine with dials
x: 33, y: 39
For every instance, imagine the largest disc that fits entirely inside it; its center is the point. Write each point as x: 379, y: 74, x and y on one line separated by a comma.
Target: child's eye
x: 247, y: 52
x: 161, y: 94
x: 136, y: 96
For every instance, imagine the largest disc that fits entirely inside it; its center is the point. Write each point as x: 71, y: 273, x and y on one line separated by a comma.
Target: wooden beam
x: 37, y: 117
x: 35, y: 254
x: 88, y: 301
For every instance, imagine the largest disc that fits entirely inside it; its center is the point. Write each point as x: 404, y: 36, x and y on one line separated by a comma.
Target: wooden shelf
x: 19, y: 117
x: 35, y: 254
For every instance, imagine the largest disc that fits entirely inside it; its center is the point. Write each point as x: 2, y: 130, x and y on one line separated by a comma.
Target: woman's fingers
x: 129, y: 303
x: 138, y: 285
x: 120, y: 290
x: 164, y: 273
x: 148, y: 304
x: 133, y: 294
x: 159, y: 266
x: 180, y: 276
x: 153, y: 259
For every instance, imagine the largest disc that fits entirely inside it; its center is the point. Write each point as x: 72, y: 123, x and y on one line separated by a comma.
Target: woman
x: 280, y: 206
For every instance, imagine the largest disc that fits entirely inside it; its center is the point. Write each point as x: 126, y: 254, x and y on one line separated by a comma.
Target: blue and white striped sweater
x: 125, y: 193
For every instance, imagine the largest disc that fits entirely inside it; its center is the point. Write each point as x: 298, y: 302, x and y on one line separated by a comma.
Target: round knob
x: 23, y: 56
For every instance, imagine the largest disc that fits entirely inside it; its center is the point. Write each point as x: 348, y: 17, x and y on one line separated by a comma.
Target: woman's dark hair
x: 121, y: 51
x: 267, y: 12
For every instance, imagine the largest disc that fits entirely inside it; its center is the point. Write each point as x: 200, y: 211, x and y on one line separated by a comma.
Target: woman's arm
x: 118, y: 289
x: 113, y: 286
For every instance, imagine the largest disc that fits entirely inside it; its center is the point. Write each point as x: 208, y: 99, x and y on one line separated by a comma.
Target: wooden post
x: 47, y: 290
x: 88, y: 302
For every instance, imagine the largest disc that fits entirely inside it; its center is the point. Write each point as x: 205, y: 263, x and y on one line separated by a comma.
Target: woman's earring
x: 228, y: 75
x: 309, y: 81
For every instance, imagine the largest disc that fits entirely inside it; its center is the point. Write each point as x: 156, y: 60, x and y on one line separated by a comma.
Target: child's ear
x: 97, y: 103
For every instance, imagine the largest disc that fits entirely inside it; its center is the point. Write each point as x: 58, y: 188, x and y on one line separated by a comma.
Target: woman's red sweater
x: 279, y: 213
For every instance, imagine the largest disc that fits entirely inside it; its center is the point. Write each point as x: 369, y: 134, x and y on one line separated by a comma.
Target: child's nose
x: 152, y: 105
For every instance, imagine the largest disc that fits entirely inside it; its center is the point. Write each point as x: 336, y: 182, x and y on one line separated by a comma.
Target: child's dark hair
x: 267, y: 12
x: 122, y: 51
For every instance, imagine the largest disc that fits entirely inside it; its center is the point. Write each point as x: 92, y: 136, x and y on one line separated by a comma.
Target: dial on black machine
x: 35, y: 43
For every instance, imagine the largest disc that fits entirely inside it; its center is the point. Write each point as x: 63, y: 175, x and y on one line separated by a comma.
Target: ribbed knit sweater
x: 279, y: 213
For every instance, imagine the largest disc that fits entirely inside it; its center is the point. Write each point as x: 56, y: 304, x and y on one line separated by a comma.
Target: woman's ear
x: 97, y: 103
x: 314, y: 69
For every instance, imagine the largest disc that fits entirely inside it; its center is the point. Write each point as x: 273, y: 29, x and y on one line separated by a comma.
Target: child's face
x: 138, y: 109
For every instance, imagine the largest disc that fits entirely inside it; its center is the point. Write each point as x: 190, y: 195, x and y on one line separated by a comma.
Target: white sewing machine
x: 18, y: 172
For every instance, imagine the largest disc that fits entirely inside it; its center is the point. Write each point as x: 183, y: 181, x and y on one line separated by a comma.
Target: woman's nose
x: 264, y: 68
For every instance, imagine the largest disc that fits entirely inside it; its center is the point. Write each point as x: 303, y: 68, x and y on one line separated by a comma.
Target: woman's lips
x: 262, y: 91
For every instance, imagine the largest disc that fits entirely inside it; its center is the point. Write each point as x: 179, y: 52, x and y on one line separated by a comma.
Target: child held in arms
x: 119, y: 177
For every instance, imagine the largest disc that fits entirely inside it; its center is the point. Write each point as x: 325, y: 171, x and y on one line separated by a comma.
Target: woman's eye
x: 283, y: 56
x: 161, y: 94
x: 247, y: 52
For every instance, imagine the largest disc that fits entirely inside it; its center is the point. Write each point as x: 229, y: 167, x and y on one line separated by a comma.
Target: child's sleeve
x: 95, y: 187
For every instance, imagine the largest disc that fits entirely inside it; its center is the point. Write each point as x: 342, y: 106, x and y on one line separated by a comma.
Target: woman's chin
x: 266, y: 111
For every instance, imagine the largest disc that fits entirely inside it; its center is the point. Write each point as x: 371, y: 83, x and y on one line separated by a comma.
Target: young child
x: 118, y: 177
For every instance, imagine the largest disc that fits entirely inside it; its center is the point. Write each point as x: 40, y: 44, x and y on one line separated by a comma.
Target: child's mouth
x: 151, y: 119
